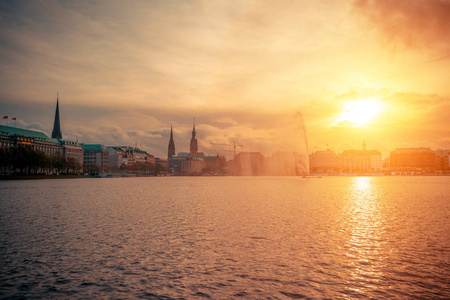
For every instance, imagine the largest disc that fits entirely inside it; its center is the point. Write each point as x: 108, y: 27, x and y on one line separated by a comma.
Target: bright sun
x: 358, y: 113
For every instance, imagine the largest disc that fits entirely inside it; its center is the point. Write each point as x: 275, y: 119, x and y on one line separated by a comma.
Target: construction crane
x: 234, y: 146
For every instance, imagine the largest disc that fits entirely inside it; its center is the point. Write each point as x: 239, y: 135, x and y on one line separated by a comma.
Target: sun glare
x: 358, y: 113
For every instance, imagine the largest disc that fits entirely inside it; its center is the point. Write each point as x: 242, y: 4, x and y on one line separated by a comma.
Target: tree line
x: 26, y: 160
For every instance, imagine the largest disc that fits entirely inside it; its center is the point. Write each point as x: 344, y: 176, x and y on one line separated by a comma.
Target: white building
x: 96, y: 158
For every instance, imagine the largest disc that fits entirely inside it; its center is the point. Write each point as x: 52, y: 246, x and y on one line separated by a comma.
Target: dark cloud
x: 414, y: 23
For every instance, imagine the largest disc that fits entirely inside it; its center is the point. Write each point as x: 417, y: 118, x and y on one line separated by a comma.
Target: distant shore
x: 33, y: 177
x: 30, y: 177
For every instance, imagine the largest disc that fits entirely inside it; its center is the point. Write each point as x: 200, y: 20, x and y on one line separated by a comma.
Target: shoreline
x: 32, y: 177
x: 37, y: 177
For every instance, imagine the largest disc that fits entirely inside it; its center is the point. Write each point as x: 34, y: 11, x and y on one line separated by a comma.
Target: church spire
x: 56, y: 133
x: 171, y: 149
x: 364, y: 146
x: 194, y: 144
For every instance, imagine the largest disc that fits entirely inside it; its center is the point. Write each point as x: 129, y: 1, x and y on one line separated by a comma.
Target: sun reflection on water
x: 364, y: 240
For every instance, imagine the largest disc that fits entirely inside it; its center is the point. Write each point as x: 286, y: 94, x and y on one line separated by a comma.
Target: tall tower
x: 364, y: 146
x: 56, y: 133
x: 194, y: 144
x: 171, y: 151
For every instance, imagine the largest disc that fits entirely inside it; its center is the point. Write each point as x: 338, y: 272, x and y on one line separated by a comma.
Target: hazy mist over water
x: 226, y: 237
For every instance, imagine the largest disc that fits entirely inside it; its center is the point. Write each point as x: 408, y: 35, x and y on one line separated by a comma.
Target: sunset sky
x: 249, y: 71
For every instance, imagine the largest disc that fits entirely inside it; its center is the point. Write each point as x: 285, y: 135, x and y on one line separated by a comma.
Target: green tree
x: 73, y: 165
x: 59, y: 163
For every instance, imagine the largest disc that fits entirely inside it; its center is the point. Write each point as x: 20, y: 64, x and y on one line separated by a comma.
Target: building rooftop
x: 140, y: 151
x: 412, y: 150
x: 182, y: 155
x: 66, y: 142
x: 324, y: 152
x: 37, y: 135
x: 93, y: 147
x: 211, y: 157
x: 361, y: 152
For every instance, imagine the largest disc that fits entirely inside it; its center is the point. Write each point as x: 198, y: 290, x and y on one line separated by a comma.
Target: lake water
x: 226, y: 237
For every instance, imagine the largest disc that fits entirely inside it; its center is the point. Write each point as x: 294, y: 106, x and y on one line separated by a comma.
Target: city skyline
x: 126, y: 71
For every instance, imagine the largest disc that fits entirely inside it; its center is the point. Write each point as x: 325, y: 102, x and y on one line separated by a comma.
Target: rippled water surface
x: 226, y: 237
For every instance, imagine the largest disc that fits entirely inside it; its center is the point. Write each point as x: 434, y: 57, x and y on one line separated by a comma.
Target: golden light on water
x: 365, y: 235
x: 359, y: 113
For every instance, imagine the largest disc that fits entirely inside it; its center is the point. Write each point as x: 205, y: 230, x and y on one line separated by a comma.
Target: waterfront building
x: 142, y: 157
x: 161, y: 165
x: 73, y: 150
x: 121, y: 157
x: 361, y: 161
x: 186, y: 164
x: 192, y: 162
x: 14, y: 137
x: 53, y: 147
x: 11, y: 137
x: 96, y: 158
x: 117, y: 157
x: 193, y: 165
x: 175, y: 163
x: 214, y: 164
x: 385, y: 164
x: 416, y: 160
x: 442, y: 160
x: 324, y: 162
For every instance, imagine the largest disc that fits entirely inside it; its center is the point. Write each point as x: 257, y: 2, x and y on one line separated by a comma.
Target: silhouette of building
x: 130, y: 159
x: 171, y: 150
x: 192, y: 162
x: 70, y: 149
x: 11, y: 137
x: 52, y: 147
x: 73, y: 150
x: 161, y: 165
x: 361, y: 161
x: 442, y: 160
x: 420, y: 159
x: 194, y: 143
x: 56, y: 133
x: 117, y: 158
x: 324, y: 162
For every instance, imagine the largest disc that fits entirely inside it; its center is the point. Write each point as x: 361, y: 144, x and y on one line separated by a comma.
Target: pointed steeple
x: 171, y: 149
x: 56, y: 133
x: 364, y: 146
x: 194, y: 144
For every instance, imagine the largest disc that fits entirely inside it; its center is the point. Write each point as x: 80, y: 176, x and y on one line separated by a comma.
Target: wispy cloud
x: 127, y: 70
x: 413, y: 23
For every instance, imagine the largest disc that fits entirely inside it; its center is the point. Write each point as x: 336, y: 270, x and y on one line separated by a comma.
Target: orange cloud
x: 413, y: 23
